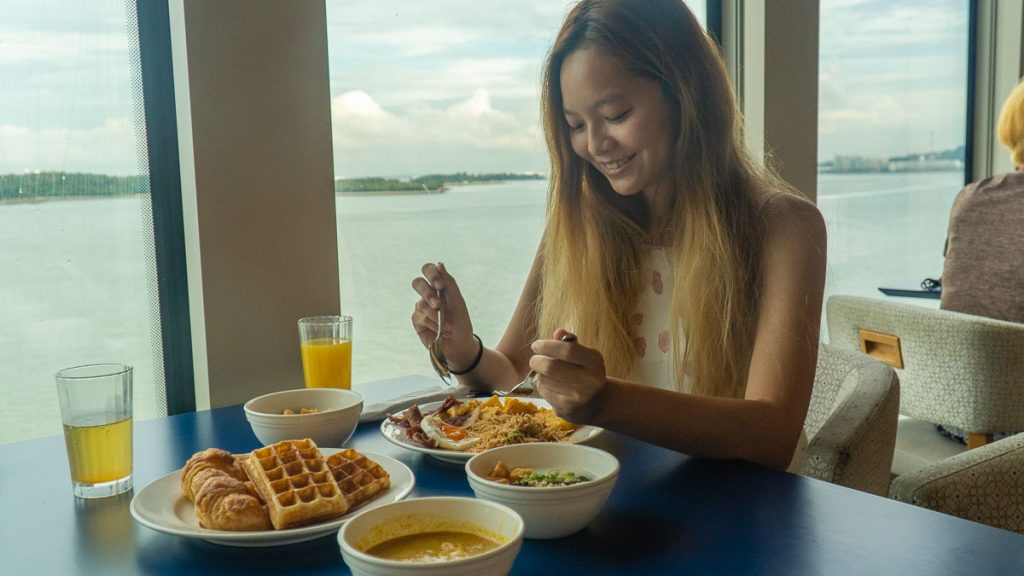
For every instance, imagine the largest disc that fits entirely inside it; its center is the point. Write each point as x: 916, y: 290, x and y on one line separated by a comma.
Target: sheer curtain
x: 77, y: 265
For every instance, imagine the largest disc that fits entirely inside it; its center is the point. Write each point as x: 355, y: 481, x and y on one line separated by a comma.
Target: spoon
x: 437, y: 357
x: 527, y: 384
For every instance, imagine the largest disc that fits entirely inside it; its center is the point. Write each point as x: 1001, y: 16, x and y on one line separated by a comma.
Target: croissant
x: 224, y: 499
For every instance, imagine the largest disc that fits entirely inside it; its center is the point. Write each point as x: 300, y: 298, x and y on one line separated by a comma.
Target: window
x: 78, y: 280
x: 449, y: 89
x: 892, y: 134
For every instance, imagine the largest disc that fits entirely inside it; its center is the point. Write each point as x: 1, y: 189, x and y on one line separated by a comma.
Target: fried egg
x: 447, y: 436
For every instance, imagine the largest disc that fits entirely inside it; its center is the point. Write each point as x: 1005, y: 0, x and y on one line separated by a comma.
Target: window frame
x: 165, y: 192
x: 722, y: 23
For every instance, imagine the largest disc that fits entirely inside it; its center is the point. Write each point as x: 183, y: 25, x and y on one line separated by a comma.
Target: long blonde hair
x: 596, y: 242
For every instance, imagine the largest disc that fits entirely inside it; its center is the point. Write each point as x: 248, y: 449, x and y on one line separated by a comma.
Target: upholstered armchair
x: 957, y: 370
x: 985, y: 485
x: 851, y: 422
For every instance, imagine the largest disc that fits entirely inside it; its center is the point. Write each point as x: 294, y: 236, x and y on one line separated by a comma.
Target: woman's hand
x: 457, y: 341
x: 569, y: 376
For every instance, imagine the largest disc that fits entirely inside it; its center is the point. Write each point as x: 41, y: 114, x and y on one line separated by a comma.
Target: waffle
x: 295, y: 483
x: 359, y: 478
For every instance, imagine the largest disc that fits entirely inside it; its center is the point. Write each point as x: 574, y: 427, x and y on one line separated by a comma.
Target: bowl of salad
x: 558, y: 489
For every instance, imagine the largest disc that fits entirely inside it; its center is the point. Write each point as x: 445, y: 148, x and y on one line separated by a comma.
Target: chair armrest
x: 854, y: 446
x: 985, y: 485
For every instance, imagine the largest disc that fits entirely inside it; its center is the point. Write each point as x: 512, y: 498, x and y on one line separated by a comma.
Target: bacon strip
x: 410, y: 419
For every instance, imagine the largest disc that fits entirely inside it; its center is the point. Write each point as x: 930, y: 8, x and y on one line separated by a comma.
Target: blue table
x: 669, y: 514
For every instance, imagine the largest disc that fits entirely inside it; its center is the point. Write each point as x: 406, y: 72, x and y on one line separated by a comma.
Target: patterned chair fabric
x: 958, y: 369
x: 984, y: 485
x: 851, y: 421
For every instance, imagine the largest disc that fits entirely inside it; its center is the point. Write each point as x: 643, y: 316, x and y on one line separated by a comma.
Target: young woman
x: 691, y: 277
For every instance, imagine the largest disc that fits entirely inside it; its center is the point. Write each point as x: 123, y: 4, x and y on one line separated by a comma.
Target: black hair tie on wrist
x: 476, y: 361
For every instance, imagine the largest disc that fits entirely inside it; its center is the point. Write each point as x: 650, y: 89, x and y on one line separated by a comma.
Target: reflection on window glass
x: 892, y: 116
x: 75, y: 286
x: 439, y: 157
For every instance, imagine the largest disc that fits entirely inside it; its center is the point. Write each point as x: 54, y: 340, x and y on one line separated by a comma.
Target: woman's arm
x: 762, y: 427
x: 499, y: 368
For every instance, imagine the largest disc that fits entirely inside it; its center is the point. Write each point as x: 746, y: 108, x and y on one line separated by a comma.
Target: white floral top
x: 652, y: 340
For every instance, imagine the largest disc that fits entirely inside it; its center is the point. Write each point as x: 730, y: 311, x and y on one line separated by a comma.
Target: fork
x: 437, y: 357
x: 528, y: 383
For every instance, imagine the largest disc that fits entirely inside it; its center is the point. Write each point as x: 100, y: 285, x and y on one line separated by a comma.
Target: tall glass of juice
x: 96, y: 408
x: 325, y: 343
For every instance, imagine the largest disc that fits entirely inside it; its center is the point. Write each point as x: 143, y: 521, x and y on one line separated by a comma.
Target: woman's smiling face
x: 619, y: 122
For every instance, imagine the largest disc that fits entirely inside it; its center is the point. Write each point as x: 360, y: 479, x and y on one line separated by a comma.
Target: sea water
x: 75, y: 289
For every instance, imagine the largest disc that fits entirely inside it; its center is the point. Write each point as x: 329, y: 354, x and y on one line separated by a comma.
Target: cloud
x: 892, y: 77
x: 412, y: 42
x: 108, y: 148
x: 396, y: 21
x: 399, y: 83
x: 372, y: 141
x: 880, y: 29
x: 439, y: 85
x: 357, y: 104
x: 454, y: 85
x: 478, y: 105
x: 58, y: 49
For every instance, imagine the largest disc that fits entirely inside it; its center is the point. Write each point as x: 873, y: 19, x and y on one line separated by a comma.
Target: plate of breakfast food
x: 287, y: 492
x: 454, y: 430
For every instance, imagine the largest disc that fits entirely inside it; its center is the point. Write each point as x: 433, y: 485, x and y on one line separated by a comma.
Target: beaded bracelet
x: 476, y: 361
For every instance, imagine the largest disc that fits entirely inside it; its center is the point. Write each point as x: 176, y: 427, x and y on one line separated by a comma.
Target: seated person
x: 984, y: 269
x: 692, y: 276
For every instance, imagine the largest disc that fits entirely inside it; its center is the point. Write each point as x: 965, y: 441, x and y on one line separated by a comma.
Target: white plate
x: 396, y: 434
x: 163, y: 507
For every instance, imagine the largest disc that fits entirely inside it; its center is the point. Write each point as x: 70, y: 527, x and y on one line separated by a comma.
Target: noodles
x: 476, y: 425
x: 515, y: 422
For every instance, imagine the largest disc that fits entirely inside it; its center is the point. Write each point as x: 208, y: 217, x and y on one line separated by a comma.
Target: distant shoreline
x: 43, y: 199
x: 39, y: 199
x: 427, y: 184
x: 389, y: 192
x: 428, y: 192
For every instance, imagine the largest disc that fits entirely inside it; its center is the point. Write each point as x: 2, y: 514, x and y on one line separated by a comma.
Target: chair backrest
x: 851, y: 421
x: 958, y: 369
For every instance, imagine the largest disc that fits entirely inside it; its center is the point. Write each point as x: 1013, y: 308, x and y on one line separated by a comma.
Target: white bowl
x: 553, y: 511
x: 486, y: 519
x: 331, y: 427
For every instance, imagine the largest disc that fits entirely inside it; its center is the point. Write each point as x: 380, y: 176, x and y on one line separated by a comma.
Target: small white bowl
x: 486, y: 519
x: 331, y: 427
x: 552, y: 511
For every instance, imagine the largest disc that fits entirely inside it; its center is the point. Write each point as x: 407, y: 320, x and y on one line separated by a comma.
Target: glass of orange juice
x: 96, y: 408
x: 325, y: 343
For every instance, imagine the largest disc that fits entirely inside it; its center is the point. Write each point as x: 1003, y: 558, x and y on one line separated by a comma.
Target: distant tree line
x: 386, y: 185
x: 62, y: 184
x: 70, y: 184
x: 467, y: 178
x: 430, y: 183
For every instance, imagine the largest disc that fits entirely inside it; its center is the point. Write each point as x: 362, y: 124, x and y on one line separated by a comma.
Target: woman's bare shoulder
x: 784, y: 207
x: 795, y: 251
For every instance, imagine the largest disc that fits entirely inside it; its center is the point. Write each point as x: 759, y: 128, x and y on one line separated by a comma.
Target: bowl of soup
x: 442, y: 536
x: 558, y: 489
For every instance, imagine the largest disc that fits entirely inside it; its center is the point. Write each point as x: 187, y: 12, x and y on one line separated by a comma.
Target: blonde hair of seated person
x: 1011, y: 125
x: 595, y: 244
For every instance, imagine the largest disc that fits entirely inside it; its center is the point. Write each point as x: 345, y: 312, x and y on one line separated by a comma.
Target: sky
x: 437, y: 86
